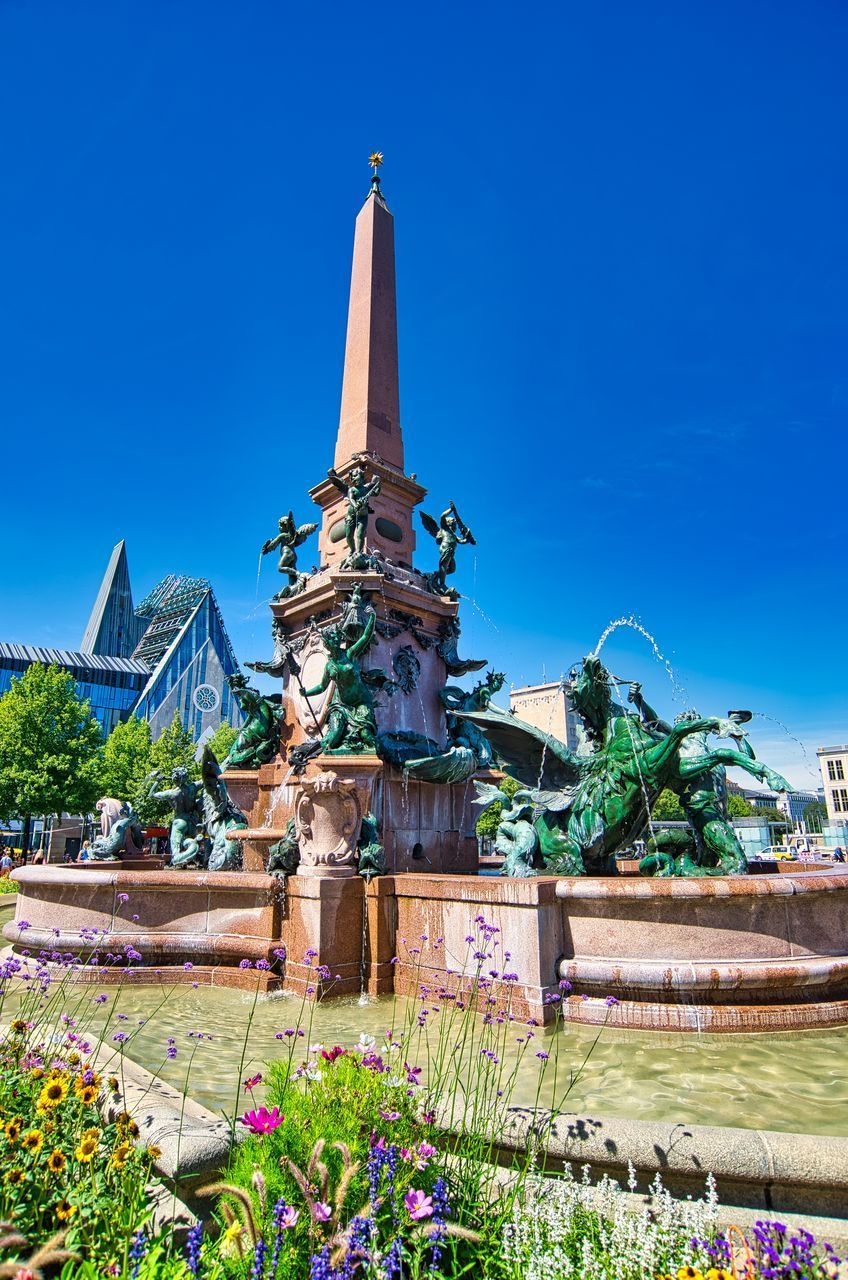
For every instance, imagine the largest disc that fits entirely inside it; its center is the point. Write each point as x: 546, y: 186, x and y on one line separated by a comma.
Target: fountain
x: 343, y: 820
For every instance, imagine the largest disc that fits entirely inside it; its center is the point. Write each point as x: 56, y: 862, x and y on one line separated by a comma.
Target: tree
x: 126, y: 760
x: 815, y: 816
x: 770, y: 813
x: 738, y: 807
x: 667, y: 808
x: 221, y: 742
x: 489, y: 820
x: 50, y: 747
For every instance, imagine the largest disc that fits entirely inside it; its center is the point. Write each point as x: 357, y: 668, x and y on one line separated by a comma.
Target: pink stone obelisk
x: 370, y: 412
x: 369, y: 433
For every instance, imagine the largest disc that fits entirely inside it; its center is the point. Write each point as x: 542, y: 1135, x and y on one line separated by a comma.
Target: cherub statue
x: 290, y: 537
x: 448, y: 533
x: 359, y: 493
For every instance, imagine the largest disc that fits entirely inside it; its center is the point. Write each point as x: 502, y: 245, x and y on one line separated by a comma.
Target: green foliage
x: 7, y: 885
x: 667, y: 808
x: 222, y: 740
x: 50, y: 746
x: 769, y: 813
x: 738, y: 807
x: 815, y: 815
x: 489, y: 820
x: 126, y: 761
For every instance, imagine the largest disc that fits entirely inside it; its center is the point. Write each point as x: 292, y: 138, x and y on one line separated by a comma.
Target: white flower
x: 365, y: 1043
x: 315, y: 1048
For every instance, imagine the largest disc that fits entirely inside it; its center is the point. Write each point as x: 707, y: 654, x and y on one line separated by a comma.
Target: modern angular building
x: 170, y: 656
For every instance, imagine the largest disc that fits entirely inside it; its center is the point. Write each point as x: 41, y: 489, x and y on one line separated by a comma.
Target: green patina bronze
x: 259, y: 737
x: 351, y: 727
x: 453, y: 698
x: 125, y: 830
x: 371, y: 857
x: 284, y: 856
x: 358, y: 491
x: 222, y: 818
x: 449, y: 533
x: 576, y: 812
x: 184, y: 798
x: 289, y: 538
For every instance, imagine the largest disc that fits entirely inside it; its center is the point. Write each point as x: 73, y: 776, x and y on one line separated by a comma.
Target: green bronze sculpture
x: 371, y: 859
x: 467, y: 752
x: 125, y: 837
x: 289, y: 538
x: 358, y: 493
x: 284, y: 856
x: 453, y: 698
x: 186, y: 846
x: 447, y: 650
x: 449, y: 533
x: 350, y: 726
x: 259, y: 737
x: 576, y: 812
x: 222, y: 818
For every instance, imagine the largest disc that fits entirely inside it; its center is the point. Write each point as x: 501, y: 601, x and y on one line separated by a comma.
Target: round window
x: 206, y: 697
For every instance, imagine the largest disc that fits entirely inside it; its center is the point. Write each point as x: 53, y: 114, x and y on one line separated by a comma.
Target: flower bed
x: 371, y: 1159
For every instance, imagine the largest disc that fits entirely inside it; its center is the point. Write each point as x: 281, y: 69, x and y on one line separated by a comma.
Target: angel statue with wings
x: 290, y: 537
x: 448, y: 533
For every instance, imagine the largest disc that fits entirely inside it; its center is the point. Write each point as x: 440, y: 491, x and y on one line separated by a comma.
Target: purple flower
x: 120, y: 1036
x: 610, y: 1001
x: 262, y: 964
x: 192, y: 1248
x: 123, y: 897
x: 322, y: 1212
x: 188, y: 965
x: 24, y: 924
x: 262, y: 1120
x: 419, y: 1205
x: 244, y: 964
x: 138, y: 1249
x: 542, y: 1055
x: 172, y: 1052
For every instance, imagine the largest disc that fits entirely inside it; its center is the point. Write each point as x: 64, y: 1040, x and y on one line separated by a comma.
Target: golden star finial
x: 375, y: 160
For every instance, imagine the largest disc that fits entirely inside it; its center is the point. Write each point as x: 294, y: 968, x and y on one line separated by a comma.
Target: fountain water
x: 634, y: 623
x: 808, y: 764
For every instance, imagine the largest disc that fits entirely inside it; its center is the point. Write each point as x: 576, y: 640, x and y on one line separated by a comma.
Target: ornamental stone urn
x: 328, y: 813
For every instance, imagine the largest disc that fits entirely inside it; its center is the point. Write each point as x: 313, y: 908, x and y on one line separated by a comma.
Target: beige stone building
x: 833, y: 762
x: 546, y: 707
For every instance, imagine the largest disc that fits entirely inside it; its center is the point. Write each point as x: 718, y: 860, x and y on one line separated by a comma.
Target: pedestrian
x: 6, y: 864
x: 838, y: 854
x: 85, y: 852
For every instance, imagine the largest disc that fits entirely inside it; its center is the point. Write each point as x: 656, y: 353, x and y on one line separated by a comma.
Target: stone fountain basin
x: 746, y: 953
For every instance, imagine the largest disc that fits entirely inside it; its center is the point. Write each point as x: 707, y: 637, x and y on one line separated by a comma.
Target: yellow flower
x: 87, y: 1150
x: 126, y: 1124
x: 65, y: 1210
x: 689, y: 1273
x: 74, y: 1059
x: 49, y: 1126
x: 14, y: 1177
x: 113, y: 1084
x: 54, y: 1092
x: 153, y: 1152
x: 56, y: 1162
x: 81, y: 1084
x: 87, y: 1095
x: 232, y: 1241
x: 13, y: 1128
x: 19, y: 1027
x: 121, y: 1155
x: 33, y: 1141
x: 37, y: 1073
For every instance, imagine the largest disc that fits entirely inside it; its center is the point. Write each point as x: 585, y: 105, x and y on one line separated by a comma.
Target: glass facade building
x: 111, y: 685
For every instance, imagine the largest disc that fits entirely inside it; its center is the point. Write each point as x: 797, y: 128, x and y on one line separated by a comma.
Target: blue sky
x: 622, y: 278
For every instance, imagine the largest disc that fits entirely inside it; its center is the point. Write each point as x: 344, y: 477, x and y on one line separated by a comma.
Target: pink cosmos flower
x: 288, y: 1218
x: 252, y: 1082
x: 389, y: 1115
x: 262, y: 1121
x: 418, y: 1204
x: 330, y: 1055
x: 322, y: 1212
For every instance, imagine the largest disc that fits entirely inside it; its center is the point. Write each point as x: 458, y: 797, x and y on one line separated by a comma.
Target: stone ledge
x: 753, y: 1168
